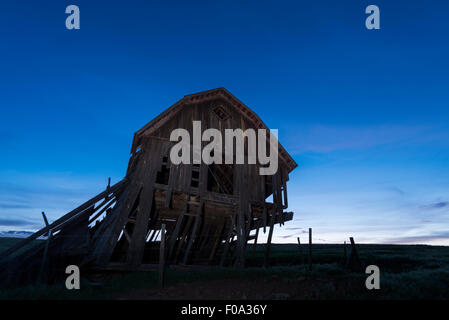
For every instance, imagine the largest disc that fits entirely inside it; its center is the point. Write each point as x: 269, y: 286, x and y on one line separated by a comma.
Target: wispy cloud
x: 436, y: 205
x: 325, y: 138
x: 24, y: 196
x: 14, y: 206
x: 396, y: 190
x: 432, y: 237
x: 14, y: 223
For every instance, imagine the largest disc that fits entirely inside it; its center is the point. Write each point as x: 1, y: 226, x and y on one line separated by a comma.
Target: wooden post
x: 268, y: 244
x: 354, y: 262
x: 299, y: 248
x: 46, y: 221
x: 228, y: 240
x: 255, y: 242
x: 45, y: 218
x: 193, y: 233
x: 162, y: 257
x: 345, y: 253
x: 310, y: 249
x: 44, y: 257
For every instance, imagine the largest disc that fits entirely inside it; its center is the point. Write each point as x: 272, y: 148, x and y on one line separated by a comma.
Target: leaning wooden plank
x: 284, y: 187
x: 162, y: 257
x: 193, y: 233
x: 145, y: 207
x: 45, y: 218
x: 218, y: 238
x: 228, y: 239
x: 183, y: 238
x: 103, y: 250
x: 255, y: 242
x: 270, y: 235
x: 174, y: 235
x: 264, y: 218
x: 61, y: 220
x: 106, y: 237
x: 171, y: 182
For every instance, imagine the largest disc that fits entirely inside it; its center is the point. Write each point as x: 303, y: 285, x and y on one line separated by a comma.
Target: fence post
x: 310, y: 249
x: 299, y: 249
x: 345, y: 252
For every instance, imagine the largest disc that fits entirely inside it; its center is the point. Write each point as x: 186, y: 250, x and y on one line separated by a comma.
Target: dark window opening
x: 163, y: 175
x: 220, y: 178
x: 195, y: 180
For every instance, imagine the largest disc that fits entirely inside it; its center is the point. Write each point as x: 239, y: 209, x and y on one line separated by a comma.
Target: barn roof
x: 203, y: 96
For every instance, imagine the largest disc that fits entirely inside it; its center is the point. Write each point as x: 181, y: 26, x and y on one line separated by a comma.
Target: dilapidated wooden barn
x: 210, y: 212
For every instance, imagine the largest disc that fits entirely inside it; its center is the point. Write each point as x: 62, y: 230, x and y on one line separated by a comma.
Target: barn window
x: 163, y: 175
x: 195, y: 180
x: 221, y: 113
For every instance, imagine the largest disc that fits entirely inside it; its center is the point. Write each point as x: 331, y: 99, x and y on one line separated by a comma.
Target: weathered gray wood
x: 193, y: 233
x: 285, y: 194
x: 171, y: 182
x: 174, y: 235
x: 264, y: 218
x: 255, y: 242
x: 162, y: 257
x: 218, y: 238
x: 228, y: 239
x: 183, y: 238
x: 145, y: 207
x: 118, y: 217
x: 270, y: 236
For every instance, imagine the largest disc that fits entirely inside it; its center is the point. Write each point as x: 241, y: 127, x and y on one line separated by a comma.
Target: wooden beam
x: 193, y: 233
x: 174, y: 235
x: 45, y: 218
x: 218, y: 238
x: 145, y: 206
x: 183, y: 238
x: 270, y: 236
x: 162, y: 257
x: 228, y: 239
x: 255, y: 242
x: 109, y: 232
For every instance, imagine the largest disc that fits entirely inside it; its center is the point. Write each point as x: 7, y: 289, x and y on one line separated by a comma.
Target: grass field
x: 407, y: 272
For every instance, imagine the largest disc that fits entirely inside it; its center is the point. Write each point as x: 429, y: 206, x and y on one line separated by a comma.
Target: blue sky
x: 363, y: 112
